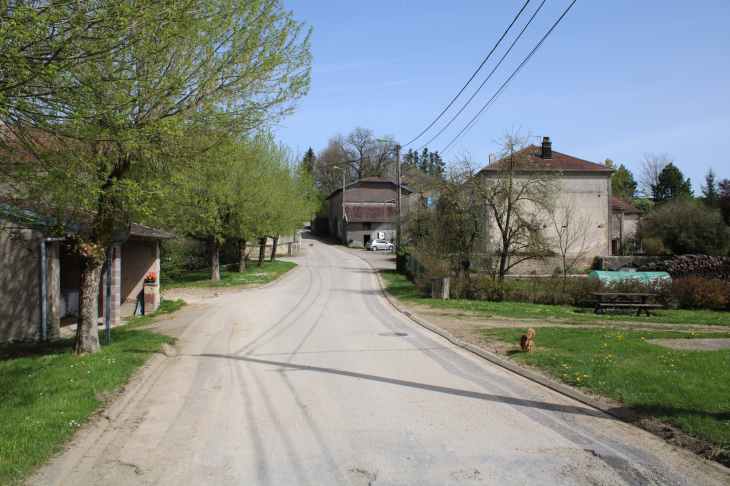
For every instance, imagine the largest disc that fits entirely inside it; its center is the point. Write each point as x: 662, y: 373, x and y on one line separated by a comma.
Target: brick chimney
x: 547, y: 148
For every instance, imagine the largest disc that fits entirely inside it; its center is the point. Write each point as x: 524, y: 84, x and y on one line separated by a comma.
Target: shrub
x: 652, y: 245
x: 687, y: 227
x: 701, y: 293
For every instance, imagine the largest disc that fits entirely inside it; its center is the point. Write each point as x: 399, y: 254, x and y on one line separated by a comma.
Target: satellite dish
x: 121, y: 233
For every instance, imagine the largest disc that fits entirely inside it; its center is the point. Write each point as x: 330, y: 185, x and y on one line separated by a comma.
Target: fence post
x: 440, y: 288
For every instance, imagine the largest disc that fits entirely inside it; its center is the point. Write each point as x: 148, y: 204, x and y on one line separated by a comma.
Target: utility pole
x: 398, y: 257
x: 343, y: 207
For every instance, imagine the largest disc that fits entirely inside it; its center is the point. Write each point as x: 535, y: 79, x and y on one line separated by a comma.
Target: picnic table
x: 605, y: 300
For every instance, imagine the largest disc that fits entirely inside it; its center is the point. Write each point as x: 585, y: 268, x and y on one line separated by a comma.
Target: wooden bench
x: 620, y: 300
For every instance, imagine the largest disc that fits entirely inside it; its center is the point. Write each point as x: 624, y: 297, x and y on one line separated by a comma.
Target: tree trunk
x: 87, y: 329
x: 465, y: 266
x: 215, y: 271
x: 273, y: 249
x: 241, y: 254
x: 262, y: 250
x: 502, y: 265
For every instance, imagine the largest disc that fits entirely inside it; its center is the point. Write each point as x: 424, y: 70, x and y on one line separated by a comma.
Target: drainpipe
x: 44, y: 324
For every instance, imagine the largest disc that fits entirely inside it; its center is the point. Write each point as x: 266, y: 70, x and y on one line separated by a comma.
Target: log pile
x: 693, y: 266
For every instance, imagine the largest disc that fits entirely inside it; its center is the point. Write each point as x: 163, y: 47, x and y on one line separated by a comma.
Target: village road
x: 317, y: 380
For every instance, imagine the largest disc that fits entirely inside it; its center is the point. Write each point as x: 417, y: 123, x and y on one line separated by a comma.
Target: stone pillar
x: 115, y: 316
x: 151, y: 297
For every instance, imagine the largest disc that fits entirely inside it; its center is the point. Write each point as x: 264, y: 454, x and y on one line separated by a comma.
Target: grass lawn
x: 403, y: 289
x: 230, y: 276
x: 690, y: 389
x: 46, y: 398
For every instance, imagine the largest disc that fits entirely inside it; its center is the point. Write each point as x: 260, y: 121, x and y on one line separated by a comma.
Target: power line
x: 472, y: 76
x: 488, y: 77
x: 519, y: 68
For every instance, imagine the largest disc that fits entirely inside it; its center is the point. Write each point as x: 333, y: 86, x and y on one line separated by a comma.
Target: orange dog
x: 527, y: 341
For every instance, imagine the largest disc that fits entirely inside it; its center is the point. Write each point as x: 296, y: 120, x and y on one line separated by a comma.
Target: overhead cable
x: 488, y: 77
x: 473, y: 75
x: 496, y: 95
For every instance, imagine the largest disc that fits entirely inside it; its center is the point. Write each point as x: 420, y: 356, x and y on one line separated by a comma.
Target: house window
x: 366, y: 226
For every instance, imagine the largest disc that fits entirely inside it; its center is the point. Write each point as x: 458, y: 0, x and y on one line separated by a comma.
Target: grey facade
x: 369, y: 210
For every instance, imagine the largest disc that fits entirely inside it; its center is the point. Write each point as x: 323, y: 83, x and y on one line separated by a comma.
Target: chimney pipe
x: 492, y: 158
x: 547, y: 148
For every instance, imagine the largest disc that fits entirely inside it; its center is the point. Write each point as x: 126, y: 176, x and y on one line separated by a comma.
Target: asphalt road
x: 317, y: 380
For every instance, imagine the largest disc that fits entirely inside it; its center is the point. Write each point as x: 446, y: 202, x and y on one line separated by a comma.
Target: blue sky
x: 616, y: 79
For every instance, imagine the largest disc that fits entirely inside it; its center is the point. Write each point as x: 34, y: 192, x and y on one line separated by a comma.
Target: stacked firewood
x: 693, y: 266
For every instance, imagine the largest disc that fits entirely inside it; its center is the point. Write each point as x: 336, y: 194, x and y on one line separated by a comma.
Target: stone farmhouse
x: 368, y: 212
x: 370, y: 207
x: 586, y: 184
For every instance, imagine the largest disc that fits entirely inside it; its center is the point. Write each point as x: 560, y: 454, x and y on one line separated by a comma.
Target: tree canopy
x: 115, y: 112
x: 671, y: 185
x: 623, y: 184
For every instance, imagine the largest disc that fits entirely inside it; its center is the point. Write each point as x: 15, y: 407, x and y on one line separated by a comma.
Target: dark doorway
x: 365, y: 240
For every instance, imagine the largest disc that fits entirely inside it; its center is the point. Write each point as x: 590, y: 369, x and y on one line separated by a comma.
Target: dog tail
x: 530, y: 333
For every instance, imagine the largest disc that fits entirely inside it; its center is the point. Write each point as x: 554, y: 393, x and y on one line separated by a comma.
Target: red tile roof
x: 619, y: 204
x: 530, y: 158
x: 376, y: 213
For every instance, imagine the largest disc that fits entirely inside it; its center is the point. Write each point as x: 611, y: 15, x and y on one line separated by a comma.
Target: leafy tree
x: 709, y: 190
x: 309, y: 160
x: 724, y: 192
x: 623, y: 184
x: 671, y: 185
x: 107, y: 133
x: 427, y: 162
x: 687, y: 227
x: 643, y: 204
x: 608, y: 163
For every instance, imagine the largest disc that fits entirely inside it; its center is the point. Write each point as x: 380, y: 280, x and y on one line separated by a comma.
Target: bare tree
x: 327, y: 176
x: 574, y: 234
x: 649, y: 170
x: 365, y: 155
x: 519, y: 196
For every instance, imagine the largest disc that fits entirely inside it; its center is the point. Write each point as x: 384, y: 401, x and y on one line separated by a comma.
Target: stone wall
x: 20, y: 284
x: 287, y: 245
x: 547, y: 266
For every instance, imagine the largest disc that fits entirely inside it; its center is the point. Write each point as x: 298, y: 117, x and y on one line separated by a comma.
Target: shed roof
x: 368, y: 180
x: 619, y: 204
x: 82, y: 218
x: 367, y: 212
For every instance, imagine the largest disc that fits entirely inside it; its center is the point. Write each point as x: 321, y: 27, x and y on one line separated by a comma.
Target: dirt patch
x: 693, y: 344
x: 193, y: 294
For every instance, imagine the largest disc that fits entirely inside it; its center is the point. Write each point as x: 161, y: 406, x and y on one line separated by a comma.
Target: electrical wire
x: 473, y: 75
x: 488, y: 77
x: 496, y: 95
